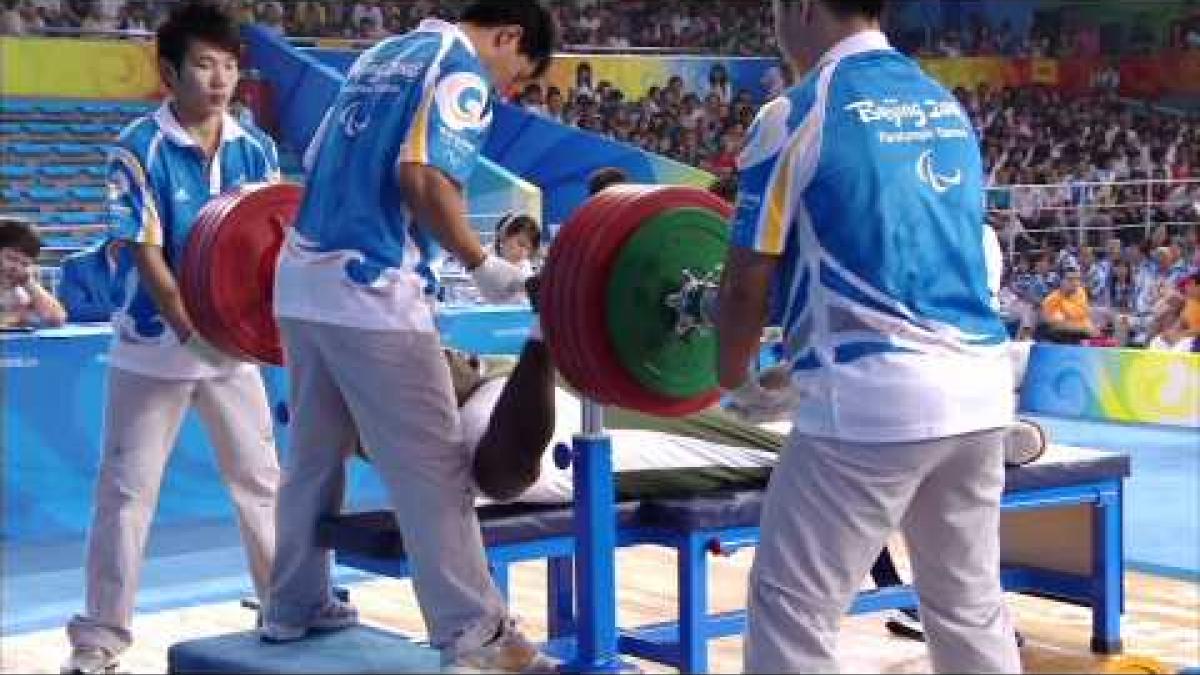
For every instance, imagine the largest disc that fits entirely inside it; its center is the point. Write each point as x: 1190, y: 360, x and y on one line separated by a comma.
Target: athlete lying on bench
x: 511, y: 421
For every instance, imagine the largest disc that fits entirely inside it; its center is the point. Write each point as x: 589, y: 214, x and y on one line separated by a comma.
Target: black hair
x: 539, y: 36
x: 872, y: 9
x: 519, y: 223
x: 197, y: 20
x: 605, y: 178
x: 19, y: 234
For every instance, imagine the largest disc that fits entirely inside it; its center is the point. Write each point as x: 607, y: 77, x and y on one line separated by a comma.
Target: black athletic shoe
x: 905, y: 623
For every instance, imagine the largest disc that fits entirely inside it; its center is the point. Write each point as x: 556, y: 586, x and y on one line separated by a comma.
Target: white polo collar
x: 174, y: 131
x: 869, y: 40
x: 440, y: 26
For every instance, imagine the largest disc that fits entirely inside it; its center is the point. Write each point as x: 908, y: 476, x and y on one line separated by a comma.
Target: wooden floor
x: 1162, y: 621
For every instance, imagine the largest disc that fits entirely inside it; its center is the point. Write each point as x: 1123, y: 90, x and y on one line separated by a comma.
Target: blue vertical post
x: 693, y: 604
x: 560, y: 597
x: 595, y: 547
x: 1108, y: 571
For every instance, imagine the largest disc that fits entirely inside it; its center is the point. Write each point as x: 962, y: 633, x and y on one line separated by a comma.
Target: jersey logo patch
x: 461, y: 101
x: 939, y: 182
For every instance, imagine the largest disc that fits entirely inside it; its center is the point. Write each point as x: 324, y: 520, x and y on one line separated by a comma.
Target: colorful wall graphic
x: 1120, y: 385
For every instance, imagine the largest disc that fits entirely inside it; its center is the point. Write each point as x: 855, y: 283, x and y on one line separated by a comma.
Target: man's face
x: 203, y: 86
x: 1071, y: 282
x: 507, y: 65
x: 15, y: 267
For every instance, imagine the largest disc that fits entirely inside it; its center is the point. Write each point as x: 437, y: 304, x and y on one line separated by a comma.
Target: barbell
x: 625, y: 295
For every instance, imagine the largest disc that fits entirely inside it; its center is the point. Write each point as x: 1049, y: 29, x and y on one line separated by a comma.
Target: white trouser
x: 394, y: 387
x: 829, y: 510
x: 142, y: 420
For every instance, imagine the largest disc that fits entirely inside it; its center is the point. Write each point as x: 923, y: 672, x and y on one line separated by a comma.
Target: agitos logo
x: 462, y: 101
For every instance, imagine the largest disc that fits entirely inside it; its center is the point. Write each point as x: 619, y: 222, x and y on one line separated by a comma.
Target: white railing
x: 1078, y: 208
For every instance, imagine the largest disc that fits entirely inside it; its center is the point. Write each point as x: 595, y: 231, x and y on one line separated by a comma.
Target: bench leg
x: 560, y: 597
x: 500, y: 576
x: 1108, y: 572
x: 693, y: 604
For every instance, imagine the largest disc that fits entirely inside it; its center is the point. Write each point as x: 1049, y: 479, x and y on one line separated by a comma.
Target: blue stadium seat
x: 47, y: 194
x: 30, y: 149
x: 18, y: 106
x: 49, y: 128
x: 11, y: 172
x: 88, y: 129
x: 99, y: 108
x: 115, y: 128
x: 88, y: 193
x: 61, y: 171
x: 58, y: 107
x: 95, y: 171
x: 78, y: 149
x: 82, y: 218
x: 51, y: 219
x: 11, y: 196
x: 137, y: 107
x: 12, y: 128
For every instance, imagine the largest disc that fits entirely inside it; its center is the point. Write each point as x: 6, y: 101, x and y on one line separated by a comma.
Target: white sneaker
x: 336, y: 615
x: 90, y: 660
x: 508, y: 652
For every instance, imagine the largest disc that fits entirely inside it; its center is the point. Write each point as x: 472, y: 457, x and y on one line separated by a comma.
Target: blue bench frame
x: 683, y: 643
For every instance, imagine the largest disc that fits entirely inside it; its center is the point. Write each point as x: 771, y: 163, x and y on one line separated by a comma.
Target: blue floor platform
x: 1162, y: 496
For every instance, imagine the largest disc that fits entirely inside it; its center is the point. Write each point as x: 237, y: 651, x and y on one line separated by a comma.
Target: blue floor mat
x: 1162, y: 496
x: 42, y: 585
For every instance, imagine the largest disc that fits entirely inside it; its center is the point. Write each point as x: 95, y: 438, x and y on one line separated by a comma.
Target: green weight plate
x: 649, y: 267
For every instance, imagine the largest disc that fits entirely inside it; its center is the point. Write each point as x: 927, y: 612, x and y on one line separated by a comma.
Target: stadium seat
x: 88, y: 129
x: 46, y: 128
x: 60, y: 171
x: 81, y: 218
x: 78, y: 149
x: 11, y: 172
x: 58, y: 107
x: 12, y: 128
x: 99, y: 108
x: 88, y: 193
x: 17, y: 107
x: 11, y: 196
x: 29, y: 149
x: 49, y: 195
x: 95, y: 171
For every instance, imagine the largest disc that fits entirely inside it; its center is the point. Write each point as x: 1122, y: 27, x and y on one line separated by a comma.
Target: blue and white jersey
x: 866, y: 180
x: 357, y: 256
x: 159, y: 180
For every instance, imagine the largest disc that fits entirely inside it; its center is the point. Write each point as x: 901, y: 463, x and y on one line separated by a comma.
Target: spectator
x: 24, y: 303
x: 271, y: 18
x: 606, y: 177
x: 1066, y: 312
x: 11, y: 22
x: 86, y: 288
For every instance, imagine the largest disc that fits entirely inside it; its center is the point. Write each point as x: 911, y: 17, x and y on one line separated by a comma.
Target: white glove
x: 765, y: 396
x: 203, y: 350
x: 497, y: 279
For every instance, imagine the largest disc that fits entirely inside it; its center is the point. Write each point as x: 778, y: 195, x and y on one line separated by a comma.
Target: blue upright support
x: 595, y: 549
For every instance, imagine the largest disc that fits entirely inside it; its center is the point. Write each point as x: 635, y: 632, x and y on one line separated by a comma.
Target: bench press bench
x: 1061, y: 539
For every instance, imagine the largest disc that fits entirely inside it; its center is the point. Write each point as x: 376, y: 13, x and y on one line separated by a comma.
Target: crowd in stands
x: 731, y: 28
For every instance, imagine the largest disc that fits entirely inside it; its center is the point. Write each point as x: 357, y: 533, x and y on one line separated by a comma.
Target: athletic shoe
x: 905, y: 623
x: 509, y: 652
x: 336, y: 615
x: 90, y: 660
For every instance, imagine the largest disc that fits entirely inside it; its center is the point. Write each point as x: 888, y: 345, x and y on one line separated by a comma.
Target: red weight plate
x: 615, y: 384
x: 194, y: 270
x: 242, y: 256
x: 558, y: 308
x: 208, y: 321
